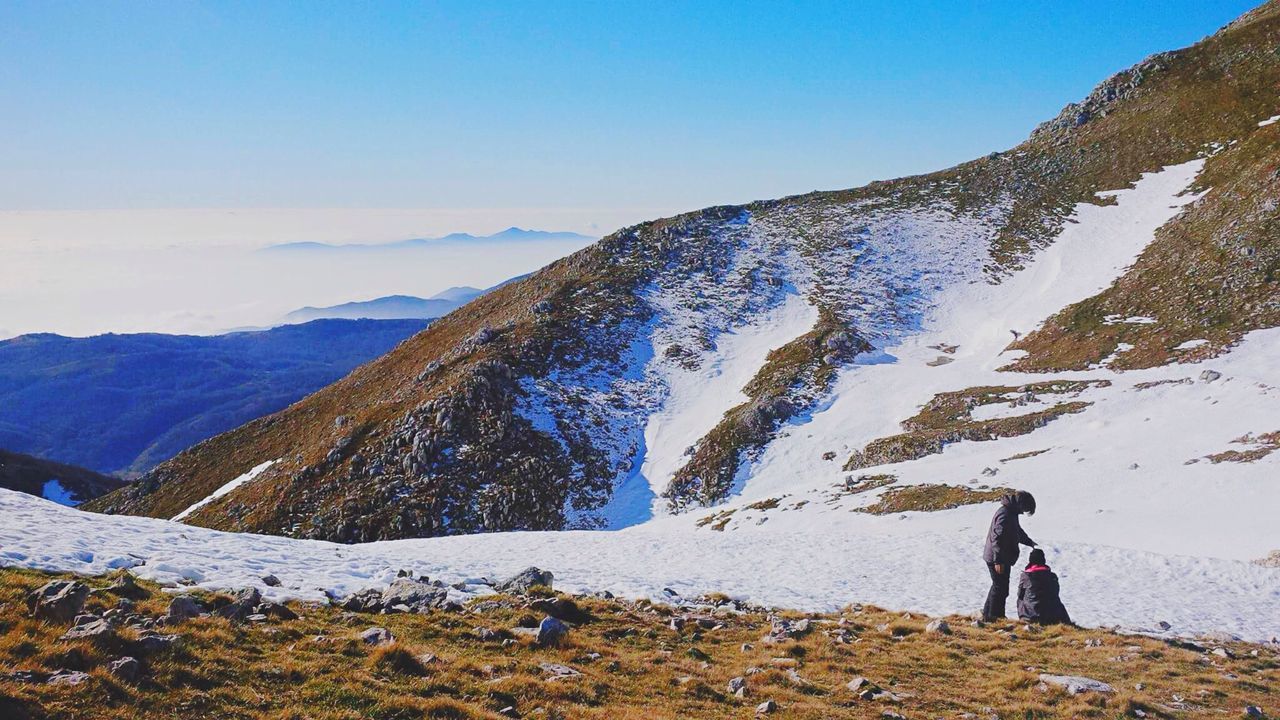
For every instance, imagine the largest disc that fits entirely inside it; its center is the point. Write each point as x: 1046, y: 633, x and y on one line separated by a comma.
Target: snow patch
x: 1269, y: 121
x: 247, y: 477
x: 53, y: 490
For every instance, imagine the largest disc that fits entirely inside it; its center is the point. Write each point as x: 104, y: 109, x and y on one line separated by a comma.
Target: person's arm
x: 1024, y: 538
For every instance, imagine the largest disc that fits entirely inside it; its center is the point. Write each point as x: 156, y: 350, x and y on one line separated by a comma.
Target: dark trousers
x: 999, y: 593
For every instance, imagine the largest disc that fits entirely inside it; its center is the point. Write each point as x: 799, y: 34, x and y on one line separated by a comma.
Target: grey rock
x: 1210, y: 375
x: 377, y: 636
x: 181, y: 609
x: 1253, y: 711
x: 418, y: 596
x: 366, y: 601
x: 125, y: 668
x: 58, y: 601
x: 551, y: 632
x: 525, y: 580
x: 938, y: 626
x: 271, y: 581
x: 244, y: 604
x: 556, y: 671
x: 766, y: 707
x: 95, y: 629
x: 737, y: 685
x: 68, y: 677
x: 857, y: 684
x: 1076, y: 685
x: 485, y: 634
x: 152, y: 642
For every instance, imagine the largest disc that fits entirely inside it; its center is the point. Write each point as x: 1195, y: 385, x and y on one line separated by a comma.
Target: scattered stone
x: 58, y: 601
x: 68, y: 677
x: 766, y: 707
x: 556, y: 671
x: 1253, y: 711
x: 676, y: 623
x: 377, y: 636
x: 1223, y: 653
x: 95, y: 629
x: 271, y: 581
x: 125, y: 586
x: 1076, y: 685
x: 1093, y: 643
x: 1210, y: 375
x: 245, y: 603
x: 526, y: 580
x: 747, y: 647
x: 857, y: 684
x: 938, y: 626
x: 153, y: 642
x: 277, y: 611
x: 697, y: 654
x: 485, y: 634
x: 181, y: 609
x: 738, y: 686
x: 551, y: 632
x: 125, y: 668
x: 418, y: 596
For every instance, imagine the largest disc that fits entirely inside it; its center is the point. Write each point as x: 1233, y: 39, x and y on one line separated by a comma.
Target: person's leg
x: 997, y: 595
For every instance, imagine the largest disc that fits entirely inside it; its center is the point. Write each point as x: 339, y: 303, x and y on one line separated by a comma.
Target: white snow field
x: 1138, y: 524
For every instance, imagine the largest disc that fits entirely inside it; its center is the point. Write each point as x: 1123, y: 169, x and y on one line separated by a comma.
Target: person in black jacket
x: 1038, y: 593
x: 1001, y: 550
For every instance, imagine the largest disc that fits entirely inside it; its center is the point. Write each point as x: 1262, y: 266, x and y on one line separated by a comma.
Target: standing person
x: 1039, y: 598
x: 1001, y: 550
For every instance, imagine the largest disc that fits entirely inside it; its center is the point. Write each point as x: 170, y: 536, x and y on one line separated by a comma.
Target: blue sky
x: 534, y: 105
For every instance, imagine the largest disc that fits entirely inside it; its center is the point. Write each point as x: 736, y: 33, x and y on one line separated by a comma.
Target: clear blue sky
x: 529, y: 104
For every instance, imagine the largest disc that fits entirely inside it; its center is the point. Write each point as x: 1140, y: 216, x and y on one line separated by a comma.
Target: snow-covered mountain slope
x: 733, y: 355
x: 817, y: 400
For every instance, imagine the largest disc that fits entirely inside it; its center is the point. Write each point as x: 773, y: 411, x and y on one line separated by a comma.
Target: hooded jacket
x: 1038, y: 597
x: 1005, y: 534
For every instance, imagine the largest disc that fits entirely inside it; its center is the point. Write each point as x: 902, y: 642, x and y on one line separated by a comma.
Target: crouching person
x: 1038, y: 593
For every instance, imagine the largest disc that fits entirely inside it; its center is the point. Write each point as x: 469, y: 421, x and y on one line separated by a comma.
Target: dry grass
x: 315, y: 667
x: 930, y: 498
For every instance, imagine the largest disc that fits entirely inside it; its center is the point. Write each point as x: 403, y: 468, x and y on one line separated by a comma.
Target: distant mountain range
x: 511, y: 234
x: 122, y: 403
x: 391, y: 307
x: 60, y: 483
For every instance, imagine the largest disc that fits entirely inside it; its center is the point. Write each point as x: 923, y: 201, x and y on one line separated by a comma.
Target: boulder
x: 277, y: 611
x: 738, y: 686
x: 271, y: 581
x: 526, y: 580
x: 95, y: 629
x: 68, y: 677
x: 365, y: 601
x: 181, y: 609
x: 377, y: 636
x: 1076, y: 685
x: 58, y: 601
x: 125, y: 586
x: 125, y: 668
x: 245, y: 603
x: 418, y: 596
x: 766, y: 707
x: 1210, y: 375
x: 556, y: 671
x: 153, y: 642
x: 551, y: 632
x: 938, y: 626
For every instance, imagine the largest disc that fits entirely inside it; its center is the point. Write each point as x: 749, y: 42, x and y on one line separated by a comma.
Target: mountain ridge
x: 491, y: 419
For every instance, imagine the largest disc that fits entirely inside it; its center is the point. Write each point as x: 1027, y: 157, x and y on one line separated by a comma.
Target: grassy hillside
x: 625, y: 661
